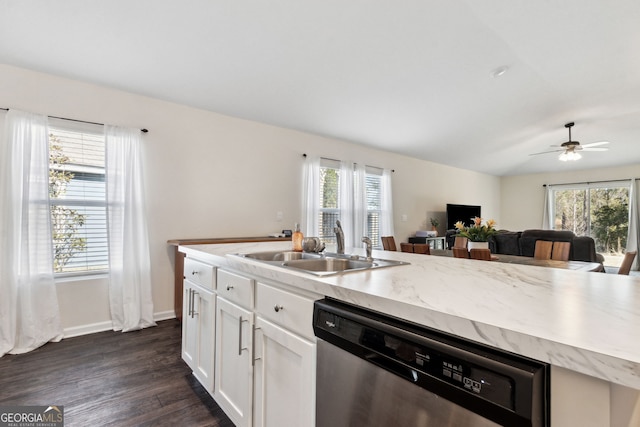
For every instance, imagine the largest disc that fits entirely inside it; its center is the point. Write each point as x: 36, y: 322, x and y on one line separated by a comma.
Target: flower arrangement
x: 434, y: 222
x: 477, y: 232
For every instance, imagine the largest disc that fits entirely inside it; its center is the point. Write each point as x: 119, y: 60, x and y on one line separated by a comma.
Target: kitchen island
x: 580, y: 322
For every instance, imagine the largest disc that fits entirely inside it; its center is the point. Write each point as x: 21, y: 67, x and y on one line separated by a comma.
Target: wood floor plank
x: 113, y: 379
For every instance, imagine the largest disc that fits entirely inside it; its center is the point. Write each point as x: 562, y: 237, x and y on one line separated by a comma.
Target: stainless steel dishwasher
x: 375, y: 370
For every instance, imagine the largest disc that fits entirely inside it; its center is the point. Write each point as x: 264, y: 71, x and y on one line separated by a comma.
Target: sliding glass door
x: 599, y: 210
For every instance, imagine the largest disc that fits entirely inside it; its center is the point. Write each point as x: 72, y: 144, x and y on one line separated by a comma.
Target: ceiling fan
x: 570, y: 149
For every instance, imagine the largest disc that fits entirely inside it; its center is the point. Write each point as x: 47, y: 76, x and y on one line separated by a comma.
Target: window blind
x: 77, y: 197
x: 329, y: 200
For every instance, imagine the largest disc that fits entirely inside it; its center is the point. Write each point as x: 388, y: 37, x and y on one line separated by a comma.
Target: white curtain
x: 29, y: 314
x: 546, y: 214
x: 359, y: 206
x: 633, y: 236
x: 311, y: 197
x: 386, y: 220
x: 129, y: 261
x: 346, y: 203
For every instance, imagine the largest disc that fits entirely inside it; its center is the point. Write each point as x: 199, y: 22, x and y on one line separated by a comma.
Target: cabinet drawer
x: 200, y: 273
x: 235, y: 288
x: 287, y: 309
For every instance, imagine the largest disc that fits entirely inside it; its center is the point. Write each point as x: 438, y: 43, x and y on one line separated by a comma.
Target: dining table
x: 527, y: 260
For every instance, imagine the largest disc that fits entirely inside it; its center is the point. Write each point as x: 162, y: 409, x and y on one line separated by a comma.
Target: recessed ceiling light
x: 499, y: 71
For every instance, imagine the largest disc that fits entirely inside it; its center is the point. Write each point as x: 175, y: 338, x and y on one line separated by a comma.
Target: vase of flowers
x: 478, y: 234
x: 477, y: 245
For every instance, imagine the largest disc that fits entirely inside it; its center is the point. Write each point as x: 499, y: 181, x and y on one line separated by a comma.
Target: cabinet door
x: 285, y: 381
x: 198, y: 327
x: 189, y: 326
x: 234, y: 371
x: 204, y: 312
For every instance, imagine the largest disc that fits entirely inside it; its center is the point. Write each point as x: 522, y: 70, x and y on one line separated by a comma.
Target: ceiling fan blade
x: 595, y: 149
x: 546, y: 152
x: 595, y: 144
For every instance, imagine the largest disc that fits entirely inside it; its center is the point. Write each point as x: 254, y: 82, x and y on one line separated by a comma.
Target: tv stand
x: 434, y: 242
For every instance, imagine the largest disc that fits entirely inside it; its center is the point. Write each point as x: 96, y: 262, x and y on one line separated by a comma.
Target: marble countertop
x: 586, y: 322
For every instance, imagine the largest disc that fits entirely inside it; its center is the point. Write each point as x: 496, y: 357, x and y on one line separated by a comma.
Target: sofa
x: 523, y: 243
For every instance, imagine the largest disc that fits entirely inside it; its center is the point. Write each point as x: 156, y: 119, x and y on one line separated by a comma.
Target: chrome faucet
x: 339, y: 237
x: 368, y: 246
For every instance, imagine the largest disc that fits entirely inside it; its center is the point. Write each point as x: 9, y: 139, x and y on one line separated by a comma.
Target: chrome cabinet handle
x: 240, y: 347
x: 277, y: 308
x: 255, y: 344
x: 193, y: 297
x: 240, y: 336
x: 188, y: 292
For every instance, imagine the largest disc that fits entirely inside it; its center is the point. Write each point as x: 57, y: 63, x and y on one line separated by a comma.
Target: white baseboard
x: 164, y: 315
x: 93, y: 328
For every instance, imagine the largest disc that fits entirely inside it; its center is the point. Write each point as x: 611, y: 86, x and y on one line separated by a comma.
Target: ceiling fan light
x: 569, y: 156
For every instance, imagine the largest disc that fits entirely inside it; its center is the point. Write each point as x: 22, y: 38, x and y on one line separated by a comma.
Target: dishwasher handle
x: 393, y: 366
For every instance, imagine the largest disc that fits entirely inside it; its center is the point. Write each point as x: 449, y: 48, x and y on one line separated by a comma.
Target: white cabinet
x: 284, y: 385
x: 199, y: 273
x: 235, y: 288
x: 265, y: 350
x: 285, y: 359
x: 197, y: 332
x: 233, y: 389
x: 189, y: 327
x: 285, y: 308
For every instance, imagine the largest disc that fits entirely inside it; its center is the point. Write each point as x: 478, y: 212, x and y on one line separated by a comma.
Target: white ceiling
x: 411, y: 76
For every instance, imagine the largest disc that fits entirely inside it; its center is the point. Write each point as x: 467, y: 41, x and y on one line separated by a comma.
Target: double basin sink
x: 321, y: 264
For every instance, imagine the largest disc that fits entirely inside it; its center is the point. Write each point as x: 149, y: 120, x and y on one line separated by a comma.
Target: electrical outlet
x: 404, y: 217
x: 279, y: 216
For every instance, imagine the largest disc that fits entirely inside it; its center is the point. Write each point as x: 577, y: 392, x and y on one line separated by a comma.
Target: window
x: 77, y: 197
x: 329, y: 200
x: 330, y: 197
x: 598, y: 210
x: 373, y: 191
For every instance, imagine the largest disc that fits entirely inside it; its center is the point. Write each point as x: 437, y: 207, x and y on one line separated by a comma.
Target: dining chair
x: 543, y: 249
x: 460, y: 252
x: 389, y: 243
x: 406, y: 247
x: 561, y: 251
x: 625, y: 267
x: 481, y: 254
x: 460, y: 242
x: 422, y: 248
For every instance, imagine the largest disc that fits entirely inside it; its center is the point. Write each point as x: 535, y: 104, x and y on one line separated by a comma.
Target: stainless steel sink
x: 280, y: 256
x: 328, y: 264
x: 320, y: 264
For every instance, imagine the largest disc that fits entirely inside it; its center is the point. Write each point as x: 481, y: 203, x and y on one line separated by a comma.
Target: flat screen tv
x: 464, y: 213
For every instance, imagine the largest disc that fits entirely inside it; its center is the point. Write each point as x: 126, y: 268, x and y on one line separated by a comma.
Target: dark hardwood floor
x: 112, y: 379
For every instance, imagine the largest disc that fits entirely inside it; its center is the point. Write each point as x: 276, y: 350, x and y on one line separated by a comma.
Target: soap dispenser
x: 296, y: 238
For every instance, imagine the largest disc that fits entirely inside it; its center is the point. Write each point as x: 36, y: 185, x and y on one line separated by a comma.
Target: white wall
x: 210, y: 175
x: 422, y: 190
x: 522, y: 200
